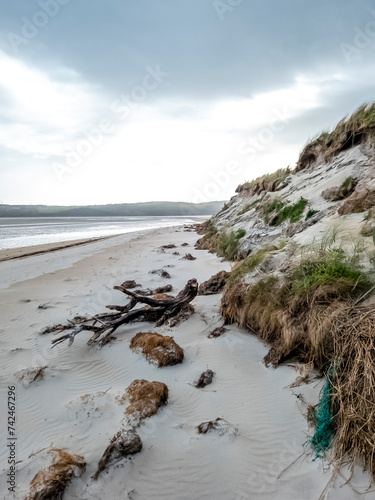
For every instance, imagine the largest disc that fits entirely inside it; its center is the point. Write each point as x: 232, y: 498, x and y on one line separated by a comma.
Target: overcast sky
x: 124, y: 101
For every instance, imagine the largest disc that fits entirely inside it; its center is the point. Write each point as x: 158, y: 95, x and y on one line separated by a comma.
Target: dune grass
x: 247, y: 266
x: 278, y: 211
x: 227, y: 245
x: 267, y: 182
x: 310, y: 213
x: 350, y: 131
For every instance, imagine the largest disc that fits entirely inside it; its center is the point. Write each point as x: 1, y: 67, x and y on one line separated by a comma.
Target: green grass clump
x: 240, y: 233
x: 270, y: 207
x: 329, y: 267
x: 227, y: 245
x: 247, y: 265
x: 311, y: 213
x: 293, y: 213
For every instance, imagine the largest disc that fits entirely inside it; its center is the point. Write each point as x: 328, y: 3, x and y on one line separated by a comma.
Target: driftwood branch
x: 156, y: 309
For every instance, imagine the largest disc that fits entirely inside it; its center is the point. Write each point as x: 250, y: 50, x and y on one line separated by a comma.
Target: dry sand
x: 75, y: 406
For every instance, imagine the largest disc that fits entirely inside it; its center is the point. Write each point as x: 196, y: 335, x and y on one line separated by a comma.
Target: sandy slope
x: 267, y: 430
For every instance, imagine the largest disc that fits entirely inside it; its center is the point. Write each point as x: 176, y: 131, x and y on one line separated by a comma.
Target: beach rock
x: 128, y: 284
x: 145, y: 398
x: 220, y: 426
x: 124, y: 443
x: 161, y: 272
x: 205, y: 379
x: 360, y: 201
x: 215, y: 284
x: 158, y: 349
x: 188, y: 256
x: 217, y: 332
x: 185, y: 244
x: 176, y: 253
x: 50, y: 483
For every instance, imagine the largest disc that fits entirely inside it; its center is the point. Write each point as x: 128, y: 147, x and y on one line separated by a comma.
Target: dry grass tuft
x: 145, y: 398
x: 268, y: 182
x: 349, y: 132
x: 352, y: 386
x: 311, y: 314
x: 158, y: 349
x: 51, y: 483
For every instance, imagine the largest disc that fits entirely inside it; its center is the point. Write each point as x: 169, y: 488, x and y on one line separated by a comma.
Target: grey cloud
x: 259, y: 45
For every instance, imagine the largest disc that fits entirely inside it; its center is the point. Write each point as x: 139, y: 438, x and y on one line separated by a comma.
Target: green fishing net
x: 321, y: 440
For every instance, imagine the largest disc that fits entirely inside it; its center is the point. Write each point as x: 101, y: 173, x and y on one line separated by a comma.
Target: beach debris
x: 104, y: 325
x: 217, y: 332
x: 188, y: 256
x: 26, y: 301
x: 215, y: 284
x: 186, y: 311
x: 44, y: 306
x: 130, y: 284
x: 157, y: 291
x: 145, y: 399
x: 305, y: 371
x: 160, y: 272
x: 126, y: 442
x: 166, y: 247
x: 220, y: 426
x: 205, y: 379
x: 60, y: 327
x: 51, y: 482
x: 31, y: 375
x: 158, y: 349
